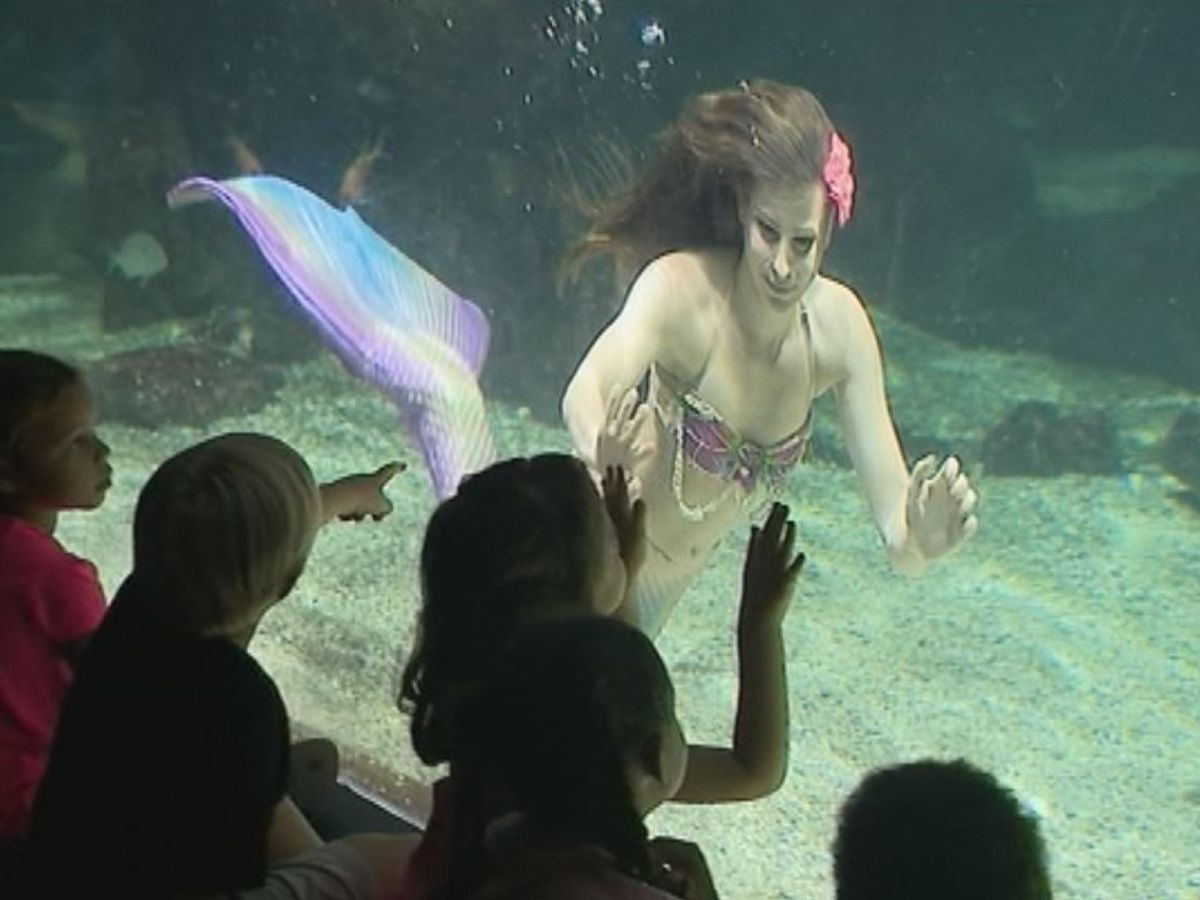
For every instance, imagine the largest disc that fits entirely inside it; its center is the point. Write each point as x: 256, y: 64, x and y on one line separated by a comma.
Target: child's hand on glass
x: 628, y: 518
x: 355, y: 497
x: 770, y: 571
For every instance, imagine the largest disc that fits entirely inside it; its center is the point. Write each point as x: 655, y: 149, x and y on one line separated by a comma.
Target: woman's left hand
x: 940, y: 507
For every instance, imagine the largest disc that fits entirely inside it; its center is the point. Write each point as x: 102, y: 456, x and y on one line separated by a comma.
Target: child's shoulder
x: 65, y: 588
x: 19, y: 533
x: 183, y: 675
x: 24, y: 542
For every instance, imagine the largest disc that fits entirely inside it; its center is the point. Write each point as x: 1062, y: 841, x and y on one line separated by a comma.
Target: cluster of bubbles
x: 591, y: 41
x: 653, y: 38
x: 575, y: 25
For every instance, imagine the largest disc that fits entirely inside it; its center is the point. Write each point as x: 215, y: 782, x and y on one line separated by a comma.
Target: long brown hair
x: 760, y: 131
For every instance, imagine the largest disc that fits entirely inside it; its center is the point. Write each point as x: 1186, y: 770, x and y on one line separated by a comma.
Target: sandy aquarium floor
x: 1061, y: 649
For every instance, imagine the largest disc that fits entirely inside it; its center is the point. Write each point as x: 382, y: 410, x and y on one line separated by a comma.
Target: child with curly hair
x: 939, y: 831
x: 51, y: 461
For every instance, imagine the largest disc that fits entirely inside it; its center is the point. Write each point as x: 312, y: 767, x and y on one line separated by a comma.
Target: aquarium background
x: 1025, y: 237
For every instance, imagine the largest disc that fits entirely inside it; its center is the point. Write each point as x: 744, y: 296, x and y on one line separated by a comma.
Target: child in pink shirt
x: 50, y: 601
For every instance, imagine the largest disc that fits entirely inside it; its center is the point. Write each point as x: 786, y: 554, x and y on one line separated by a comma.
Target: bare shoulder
x: 837, y: 308
x: 844, y: 333
x: 838, y: 312
x: 684, y: 280
x: 681, y: 293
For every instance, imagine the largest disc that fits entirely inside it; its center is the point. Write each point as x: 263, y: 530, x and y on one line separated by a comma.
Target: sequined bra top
x: 705, y: 439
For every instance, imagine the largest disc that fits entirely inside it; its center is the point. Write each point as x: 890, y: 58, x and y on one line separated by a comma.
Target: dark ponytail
x: 569, y: 705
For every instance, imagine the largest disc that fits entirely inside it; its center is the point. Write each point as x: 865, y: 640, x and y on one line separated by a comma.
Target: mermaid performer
x: 734, y: 332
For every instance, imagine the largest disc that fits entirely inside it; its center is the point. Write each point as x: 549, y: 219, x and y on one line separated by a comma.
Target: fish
x: 354, y: 180
x: 138, y: 257
x: 1187, y: 499
x: 390, y: 321
x: 63, y: 123
x: 1078, y: 182
x: 243, y: 157
x: 60, y: 121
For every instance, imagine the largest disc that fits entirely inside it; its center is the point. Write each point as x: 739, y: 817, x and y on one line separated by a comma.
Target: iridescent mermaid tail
x: 389, y: 320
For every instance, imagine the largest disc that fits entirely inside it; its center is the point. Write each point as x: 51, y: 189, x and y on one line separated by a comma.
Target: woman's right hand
x: 679, y: 868
x: 627, y: 438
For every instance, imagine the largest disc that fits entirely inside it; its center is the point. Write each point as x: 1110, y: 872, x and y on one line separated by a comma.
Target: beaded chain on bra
x: 703, y: 436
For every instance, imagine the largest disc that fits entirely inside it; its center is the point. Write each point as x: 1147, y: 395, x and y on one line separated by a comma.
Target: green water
x: 1059, y: 649
x: 1024, y: 230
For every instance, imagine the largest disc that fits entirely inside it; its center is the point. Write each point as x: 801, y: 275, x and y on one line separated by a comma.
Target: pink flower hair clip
x: 838, y: 178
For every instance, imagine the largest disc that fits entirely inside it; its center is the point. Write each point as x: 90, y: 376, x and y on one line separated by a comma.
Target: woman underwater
x: 735, y: 333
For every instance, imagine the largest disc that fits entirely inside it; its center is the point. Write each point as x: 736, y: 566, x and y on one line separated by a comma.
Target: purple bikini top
x: 705, y: 439
x: 711, y: 445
